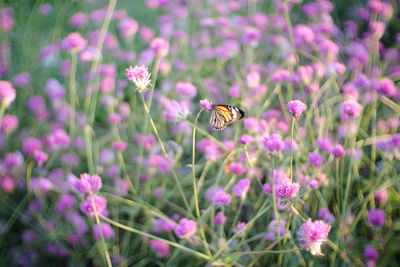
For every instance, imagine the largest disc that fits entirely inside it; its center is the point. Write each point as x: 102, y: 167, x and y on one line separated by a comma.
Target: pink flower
x: 206, y: 104
x: 237, y: 168
x: 120, y: 145
x: 140, y: 76
x: 220, y: 218
x: 246, y: 139
x: 285, y: 189
x: 315, y: 159
x: 338, y: 151
x: 186, y: 89
x: 186, y: 228
x: 6, y: 19
x: 40, y: 157
x: 128, y: 27
x: 351, y: 110
x: 9, y: 123
x: 103, y: 229
x: 7, y: 93
x: 160, y: 47
x: 74, y: 42
x: 241, y: 188
x: 88, y: 184
x: 78, y: 20
x: 161, y: 248
x: 312, y: 235
x: 296, y: 107
x: 273, y: 143
x: 100, y: 204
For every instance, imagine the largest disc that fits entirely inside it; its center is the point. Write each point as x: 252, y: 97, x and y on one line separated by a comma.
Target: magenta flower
x: 186, y: 89
x: 220, y: 218
x: 241, y: 188
x: 120, y: 145
x: 338, y: 151
x: 315, y: 159
x: 206, y: 104
x: 74, y: 42
x: 22, y: 79
x: 296, y: 107
x: 103, y: 229
x: 7, y: 93
x: 370, y: 253
x: 273, y: 143
x: 40, y: 157
x: 6, y: 19
x: 285, y: 189
x: 88, y: 184
x: 140, y: 76
x: 161, y: 225
x: 312, y: 235
x: 9, y: 123
x: 326, y: 215
x: 160, y: 47
x: 161, y: 248
x: 351, y: 110
x: 128, y: 27
x: 186, y: 228
x: 218, y: 196
x: 78, y: 20
x: 65, y: 202
x: 246, y: 139
x: 240, y: 229
x: 382, y: 196
x: 100, y: 204
x: 237, y: 168
x: 377, y: 217
x: 31, y: 144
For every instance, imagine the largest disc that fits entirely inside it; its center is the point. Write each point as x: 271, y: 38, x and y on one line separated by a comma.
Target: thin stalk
x: 196, y: 200
x: 2, y: 109
x: 291, y: 148
x: 166, y: 156
x: 72, y: 94
x: 103, y: 242
x: 289, y: 24
x: 133, y: 230
x: 89, y: 148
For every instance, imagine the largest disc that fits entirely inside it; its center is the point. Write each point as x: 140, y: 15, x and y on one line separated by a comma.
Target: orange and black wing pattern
x: 224, y: 115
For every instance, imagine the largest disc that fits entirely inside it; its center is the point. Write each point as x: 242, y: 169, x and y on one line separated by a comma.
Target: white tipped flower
x: 140, y: 76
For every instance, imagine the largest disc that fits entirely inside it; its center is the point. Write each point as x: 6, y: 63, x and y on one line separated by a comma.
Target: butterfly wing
x: 223, y: 115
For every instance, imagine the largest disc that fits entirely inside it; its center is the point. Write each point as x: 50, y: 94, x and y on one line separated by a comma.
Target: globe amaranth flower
x: 186, y: 89
x: 9, y: 123
x: 7, y: 93
x: 350, y: 110
x: 312, y: 235
x: 273, y: 143
x: 88, y: 184
x: 186, y: 228
x: 103, y: 229
x: 296, y: 107
x: 218, y: 196
x: 206, y: 104
x: 240, y: 229
x: 74, y: 42
x: 377, y: 217
x: 100, y: 205
x: 140, y: 76
x: 370, y: 253
x: 285, y: 189
x: 160, y: 47
x: 242, y: 187
x: 220, y: 218
x: 315, y: 159
x: 246, y: 139
x: 160, y: 247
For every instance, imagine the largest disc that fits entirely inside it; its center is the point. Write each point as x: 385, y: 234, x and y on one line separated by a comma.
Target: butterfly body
x: 224, y: 115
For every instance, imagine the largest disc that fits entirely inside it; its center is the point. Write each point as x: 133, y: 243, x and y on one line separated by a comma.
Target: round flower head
x: 7, y: 93
x: 312, y: 235
x: 160, y: 47
x: 161, y: 248
x: 140, y: 76
x: 103, y: 229
x: 296, y: 107
x: 74, y: 42
x: 220, y: 218
x: 377, y: 217
x: 274, y: 143
x: 186, y: 228
x: 351, y: 110
x: 242, y: 187
x: 285, y: 189
x: 315, y: 159
x: 206, y: 104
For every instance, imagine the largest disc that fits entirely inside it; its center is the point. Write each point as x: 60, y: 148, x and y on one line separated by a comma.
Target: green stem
x: 2, y: 110
x: 103, y: 242
x: 196, y: 200
x: 72, y: 94
x: 89, y: 148
x: 178, y: 183
x: 133, y: 230
x: 291, y: 148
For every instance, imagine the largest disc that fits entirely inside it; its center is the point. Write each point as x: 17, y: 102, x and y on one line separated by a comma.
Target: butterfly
x: 224, y: 115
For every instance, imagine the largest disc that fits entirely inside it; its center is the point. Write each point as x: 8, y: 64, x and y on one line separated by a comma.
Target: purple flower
x: 240, y: 229
x: 160, y: 47
x: 120, y: 145
x: 220, y: 218
x: 65, y: 202
x: 206, y: 104
x: 40, y: 157
x: 273, y: 143
x: 377, y: 217
x: 6, y: 19
x: 370, y: 253
x: 186, y: 228
x: 9, y: 123
x: 161, y: 225
x: 325, y: 144
x: 296, y: 107
x: 74, y: 42
x: 312, y: 235
x: 221, y: 198
x: 22, y: 79
x: 237, y: 168
x: 78, y: 20
x: 41, y: 185
x: 7, y: 93
x: 88, y: 184
x: 128, y: 27
x: 242, y: 187
x: 338, y: 151
x: 100, y: 205
x: 103, y: 229
x: 315, y: 159
x: 246, y: 139
x: 140, y: 76
x: 351, y: 110
x: 186, y: 89
x: 161, y: 248
x: 285, y: 189
x: 267, y: 189
x: 326, y: 215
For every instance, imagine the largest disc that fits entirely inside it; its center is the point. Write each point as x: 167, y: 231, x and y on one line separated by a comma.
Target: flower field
x: 199, y: 133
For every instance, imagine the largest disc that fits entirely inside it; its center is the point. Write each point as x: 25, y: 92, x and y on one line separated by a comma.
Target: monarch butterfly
x: 224, y: 115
